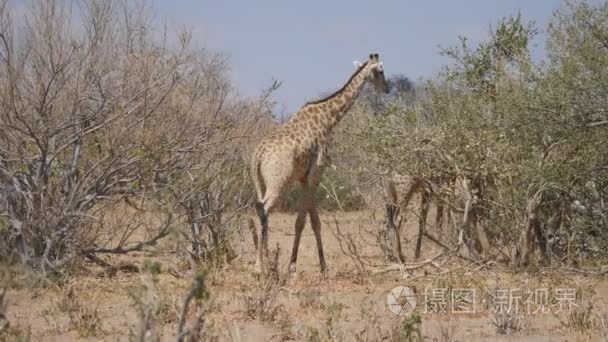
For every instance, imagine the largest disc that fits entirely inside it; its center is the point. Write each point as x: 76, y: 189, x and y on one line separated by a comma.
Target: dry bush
x: 98, y: 106
x: 523, y: 140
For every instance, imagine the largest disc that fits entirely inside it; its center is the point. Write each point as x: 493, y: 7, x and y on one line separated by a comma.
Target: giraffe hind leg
x: 303, y: 204
x: 299, y: 227
x: 263, y: 210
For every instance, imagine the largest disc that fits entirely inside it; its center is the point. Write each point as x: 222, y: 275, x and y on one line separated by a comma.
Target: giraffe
x: 460, y: 212
x: 298, y: 151
x: 399, y: 191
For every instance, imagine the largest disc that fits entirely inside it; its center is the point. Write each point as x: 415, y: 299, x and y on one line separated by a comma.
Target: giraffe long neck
x: 336, y: 106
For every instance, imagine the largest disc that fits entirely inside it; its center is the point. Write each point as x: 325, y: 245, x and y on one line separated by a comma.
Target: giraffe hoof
x: 324, y: 272
x: 292, y: 268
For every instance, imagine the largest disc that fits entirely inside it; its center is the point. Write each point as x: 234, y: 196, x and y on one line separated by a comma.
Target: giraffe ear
x: 357, y: 64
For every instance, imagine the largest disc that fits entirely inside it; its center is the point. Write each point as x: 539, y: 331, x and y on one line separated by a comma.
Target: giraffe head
x: 376, y: 73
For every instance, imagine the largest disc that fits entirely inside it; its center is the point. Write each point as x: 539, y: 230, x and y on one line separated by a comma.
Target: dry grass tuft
x: 447, y: 334
x: 262, y: 303
x: 85, y: 321
x: 579, y: 318
x: 507, y: 322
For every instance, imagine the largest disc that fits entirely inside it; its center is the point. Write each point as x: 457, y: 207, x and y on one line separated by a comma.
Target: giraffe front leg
x: 311, y: 207
x: 300, y: 222
x: 315, y: 222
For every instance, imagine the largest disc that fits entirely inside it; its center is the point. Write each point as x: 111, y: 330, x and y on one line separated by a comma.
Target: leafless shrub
x: 106, y: 113
x: 350, y: 247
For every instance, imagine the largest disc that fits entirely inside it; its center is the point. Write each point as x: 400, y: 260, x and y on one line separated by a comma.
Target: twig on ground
x: 412, y: 266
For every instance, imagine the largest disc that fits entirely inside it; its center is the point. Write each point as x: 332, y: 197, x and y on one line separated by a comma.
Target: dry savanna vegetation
x: 126, y: 200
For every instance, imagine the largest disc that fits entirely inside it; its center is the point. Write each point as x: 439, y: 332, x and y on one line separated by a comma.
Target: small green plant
x: 313, y: 335
x: 152, y: 267
x: 199, y: 295
x: 410, y: 328
x: 310, y: 298
x: 145, y: 303
x: 332, y: 324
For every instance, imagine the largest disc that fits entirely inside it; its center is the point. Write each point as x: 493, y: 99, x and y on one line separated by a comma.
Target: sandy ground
x: 349, y: 304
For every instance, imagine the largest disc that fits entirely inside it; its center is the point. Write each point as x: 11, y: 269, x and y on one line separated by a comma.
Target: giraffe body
x: 297, y: 152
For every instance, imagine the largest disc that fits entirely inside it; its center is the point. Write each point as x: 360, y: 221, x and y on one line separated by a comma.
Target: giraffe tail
x: 258, y: 180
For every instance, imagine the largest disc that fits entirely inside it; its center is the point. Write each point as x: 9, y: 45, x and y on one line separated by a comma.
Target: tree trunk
x: 424, y: 209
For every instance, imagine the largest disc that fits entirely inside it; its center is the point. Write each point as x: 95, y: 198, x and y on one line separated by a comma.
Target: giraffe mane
x: 341, y: 89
